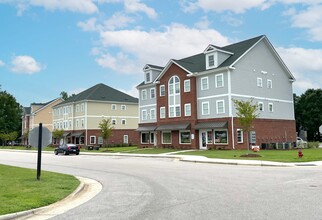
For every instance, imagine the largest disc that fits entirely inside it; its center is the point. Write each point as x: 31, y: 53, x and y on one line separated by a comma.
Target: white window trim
x: 241, y: 135
x: 207, y: 85
x: 113, y: 119
x: 90, y: 139
x: 146, y: 95
x: 215, y: 136
x: 173, y: 97
x: 202, y: 109
x: 113, y: 107
x: 150, y: 77
x: 269, y: 109
x: 185, y: 109
x: 127, y: 139
x: 141, y: 138
x: 162, y: 109
x: 162, y: 86
x: 151, y: 93
x: 217, y: 107
x: 216, y: 80
x: 260, y: 103
x: 180, y: 136
x: 186, y: 82
x: 259, y: 82
x: 146, y: 114
x: 123, y: 106
x: 154, y: 115
x: 122, y: 121
x: 170, y: 137
x: 215, y: 60
x: 269, y: 84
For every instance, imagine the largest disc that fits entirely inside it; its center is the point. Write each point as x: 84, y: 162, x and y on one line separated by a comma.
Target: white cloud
x: 118, y: 20
x: 310, y: 19
x: 25, y: 65
x: 306, y: 66
x: 2, y: 63
x: 204, y: 23
x: 134, y: 6
x: 132, y: 92
x: 155, y: 47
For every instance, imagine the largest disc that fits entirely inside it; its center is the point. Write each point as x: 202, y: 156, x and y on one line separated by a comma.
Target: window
x: 152, y: 113
x: 219, y: 80
x: 220, y: 106
x: 82, y: 123
x: 162, y: 90
x: 211, y: 60
x: 166, y: 137
x: 240, y: 138
x: 113, y: 121
x: 82, y: 107
x: 152, y: 93
x: 125, y: 139
x: 269, y: 84
x: 143, y: 94
x: 162, y: 112
x: 77, y: 123
x: 270, y: 107
x: 174, y: 97
x: 123, y: 107
x: 123, y: 121
x: 209, y: 135
x: 221, y: 137
x: 185, y: 137
x: 187, y: 109
x: 260, y: 106
x: 259, y: 82
x: 70, y: 123
x: 151, y: 138
x: 205, y: 108
x: 113, y: 107
x: 204, y: 83
x: 186, y: 85
x: 144, y: 115
x: 144, y: 137
x: 93, y: 139
x: 148, y: 77
x: 77, y: 108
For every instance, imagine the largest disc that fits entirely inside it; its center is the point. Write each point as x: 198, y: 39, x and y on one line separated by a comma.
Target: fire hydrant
x: 300, y: 154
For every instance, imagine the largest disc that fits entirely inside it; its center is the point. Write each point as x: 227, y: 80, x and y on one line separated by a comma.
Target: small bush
x: 312, y: 144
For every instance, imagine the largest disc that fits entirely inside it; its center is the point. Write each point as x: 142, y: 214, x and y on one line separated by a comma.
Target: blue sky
x: 49, y: 46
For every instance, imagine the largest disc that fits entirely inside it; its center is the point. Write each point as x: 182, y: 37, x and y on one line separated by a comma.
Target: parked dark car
x: 67, y: 149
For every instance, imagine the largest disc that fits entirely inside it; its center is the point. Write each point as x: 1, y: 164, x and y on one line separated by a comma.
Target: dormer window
x: 211, y: 60
x: 148, y: 77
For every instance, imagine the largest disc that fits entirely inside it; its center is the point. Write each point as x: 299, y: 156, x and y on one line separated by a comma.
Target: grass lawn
x: 20, y: 189
x: 313, y: 154
x: 152, y: 151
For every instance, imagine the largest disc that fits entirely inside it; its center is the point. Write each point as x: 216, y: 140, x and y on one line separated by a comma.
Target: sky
x: 50, y: 46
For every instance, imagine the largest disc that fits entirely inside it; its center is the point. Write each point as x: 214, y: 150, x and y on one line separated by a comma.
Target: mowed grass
x: 20, y: 189
x: 313, y: 154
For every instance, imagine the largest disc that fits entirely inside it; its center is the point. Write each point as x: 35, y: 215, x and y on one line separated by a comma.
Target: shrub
x: 312, y: 144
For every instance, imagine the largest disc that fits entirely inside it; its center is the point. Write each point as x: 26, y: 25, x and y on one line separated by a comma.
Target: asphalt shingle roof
x: 101, y: 92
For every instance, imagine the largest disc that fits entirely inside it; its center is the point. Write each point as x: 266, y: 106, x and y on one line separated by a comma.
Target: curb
x: 87, y: 189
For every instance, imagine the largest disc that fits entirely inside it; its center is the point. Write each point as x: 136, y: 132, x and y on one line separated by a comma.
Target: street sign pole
x: 39, y: 151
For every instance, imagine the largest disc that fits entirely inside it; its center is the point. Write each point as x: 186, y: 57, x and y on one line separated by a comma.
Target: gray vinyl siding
x: 222, y: 57
x: 213, y: 107
x: 147, y: 104
x: 262, y: 63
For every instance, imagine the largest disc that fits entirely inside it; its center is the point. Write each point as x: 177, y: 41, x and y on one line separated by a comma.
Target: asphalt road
x: 150, y: 188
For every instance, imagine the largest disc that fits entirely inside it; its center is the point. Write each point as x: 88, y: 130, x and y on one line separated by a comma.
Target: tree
x: 64, y: 95
x: 308, y: 112
x: 10, y: 114
x: 58, y: 134
x: 106, y: 129
x: 246, y: 113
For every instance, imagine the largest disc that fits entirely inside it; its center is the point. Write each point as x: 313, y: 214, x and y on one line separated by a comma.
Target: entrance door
x: 203, y: 140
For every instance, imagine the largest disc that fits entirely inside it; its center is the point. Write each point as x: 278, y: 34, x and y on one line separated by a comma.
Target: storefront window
x: 144, y: 137
x: 166, y: 137
x: 221, y: 137
x: 209, y: 134
x: 185, y: 137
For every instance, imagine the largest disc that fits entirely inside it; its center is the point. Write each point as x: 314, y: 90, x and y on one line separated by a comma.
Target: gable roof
x: 44, y: 105
x: 101, y: 92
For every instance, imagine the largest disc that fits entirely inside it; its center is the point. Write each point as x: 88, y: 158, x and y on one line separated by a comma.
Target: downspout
x: 230, y: 107
x: 85, y: 123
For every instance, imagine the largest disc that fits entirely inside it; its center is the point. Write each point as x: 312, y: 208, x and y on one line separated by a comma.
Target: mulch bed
x: 250, y: 155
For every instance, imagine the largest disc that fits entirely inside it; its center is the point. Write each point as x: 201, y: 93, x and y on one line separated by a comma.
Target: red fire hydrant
x: 300, y: 154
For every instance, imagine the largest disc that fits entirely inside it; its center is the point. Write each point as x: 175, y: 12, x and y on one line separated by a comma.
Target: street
x: 155, y: 188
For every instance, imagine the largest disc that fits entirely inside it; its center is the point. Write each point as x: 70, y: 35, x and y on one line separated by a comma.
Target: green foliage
x: 10, y: 115
x: 106, y: 128
x: 64, y: 95
x: 23, y: 191
x: 58, y: 133
x: 308, y: 112
x: 313, y: 144
x: 246, y: 113
x: 8, y: 137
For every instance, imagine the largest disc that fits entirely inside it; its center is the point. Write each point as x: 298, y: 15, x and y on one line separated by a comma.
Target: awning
x: 173, y: 127
x: 78, y: 134
x: 220, y: 124
x: 66, y: 134
x: 147, y: 128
